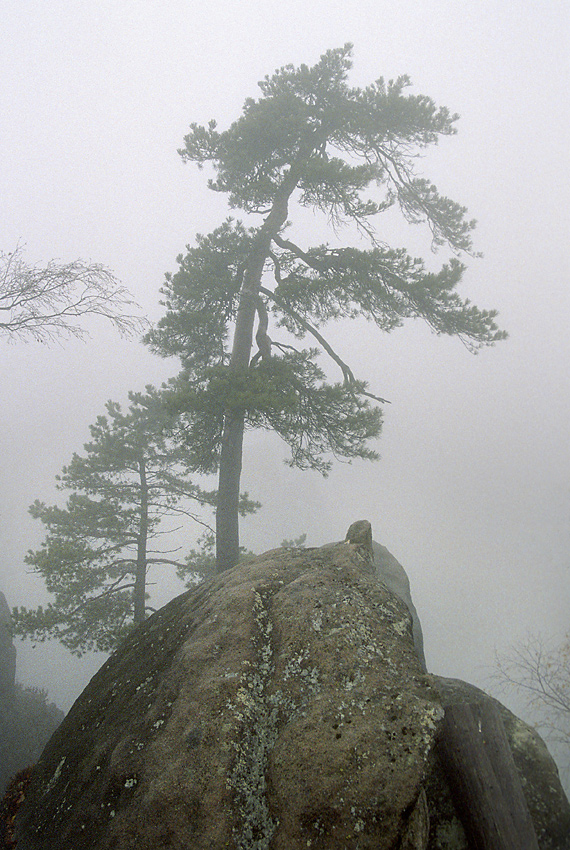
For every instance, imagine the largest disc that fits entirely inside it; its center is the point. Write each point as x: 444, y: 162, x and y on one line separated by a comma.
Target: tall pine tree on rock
x: 313, y: 140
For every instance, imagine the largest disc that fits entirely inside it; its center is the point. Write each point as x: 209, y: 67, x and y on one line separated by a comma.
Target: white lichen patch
x: 354, y: 680
x: 432, y: 715
x: 523, y: 736
x: 317, y: 620
x: 55, y: 777
x: 257, y: 711
x: 311, y: 679
x: 297, y: 668
x: 401, y: 627
x: 144, y: 684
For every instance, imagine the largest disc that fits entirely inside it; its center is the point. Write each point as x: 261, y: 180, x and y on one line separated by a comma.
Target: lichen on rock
x: 280, y: 705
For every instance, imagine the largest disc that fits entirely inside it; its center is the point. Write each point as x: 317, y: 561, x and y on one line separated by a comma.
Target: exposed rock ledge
x: 280, y: 705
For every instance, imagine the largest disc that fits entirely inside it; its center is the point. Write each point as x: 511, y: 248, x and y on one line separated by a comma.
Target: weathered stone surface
x: 545, y: 797
x: 391, y: 572
x: 280, y: 705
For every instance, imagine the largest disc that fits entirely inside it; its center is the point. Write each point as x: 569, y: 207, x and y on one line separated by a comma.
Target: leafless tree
x: 46, y: 302
x: 540, y: 671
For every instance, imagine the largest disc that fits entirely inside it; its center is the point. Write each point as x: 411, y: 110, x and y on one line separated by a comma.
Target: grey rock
x: 360, y: 535
x: 280, y: 705
x: 547, y: 803
x: 394, y: 576
x: 27, y: 721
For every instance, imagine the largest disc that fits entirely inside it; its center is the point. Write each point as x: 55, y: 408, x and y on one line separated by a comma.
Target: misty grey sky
x: 472, y: 493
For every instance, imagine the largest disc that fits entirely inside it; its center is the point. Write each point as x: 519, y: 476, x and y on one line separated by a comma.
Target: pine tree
x: 312, y: 139
x: 96, y: 555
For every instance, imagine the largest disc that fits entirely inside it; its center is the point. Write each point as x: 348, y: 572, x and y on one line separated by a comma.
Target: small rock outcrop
x: 280, y: 705
x: 390, y: 571
x: 27, y: 720
x: 547, y: 803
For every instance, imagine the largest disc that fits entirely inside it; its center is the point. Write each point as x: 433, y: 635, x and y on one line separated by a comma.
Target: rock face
x: 390, y: 571
x: 27, y: 721
x: 280, y: 705
x: 548, y: 806
x: 394, y: 576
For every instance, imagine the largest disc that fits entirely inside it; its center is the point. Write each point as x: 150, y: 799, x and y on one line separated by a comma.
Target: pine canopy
x: 243, y: 296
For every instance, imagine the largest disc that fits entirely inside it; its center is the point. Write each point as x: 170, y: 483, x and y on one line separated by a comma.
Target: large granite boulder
x: 280, y: 705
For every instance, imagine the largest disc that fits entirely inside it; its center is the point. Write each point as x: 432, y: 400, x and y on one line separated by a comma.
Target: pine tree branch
x: 114, y: 588
x: 347, y: 372
x: 165, y: 561
x: 318, y: 265
x: 263, y: 340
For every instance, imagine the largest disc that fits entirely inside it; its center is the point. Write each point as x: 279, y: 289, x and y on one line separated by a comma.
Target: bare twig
x: 43, y: 303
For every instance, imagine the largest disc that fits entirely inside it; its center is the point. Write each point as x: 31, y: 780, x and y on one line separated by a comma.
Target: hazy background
x: 472, y: 494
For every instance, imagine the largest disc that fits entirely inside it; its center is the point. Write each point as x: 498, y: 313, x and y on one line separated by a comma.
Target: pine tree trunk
x: 227, y: 509
x: 139, y: 593
x: 227, y: 512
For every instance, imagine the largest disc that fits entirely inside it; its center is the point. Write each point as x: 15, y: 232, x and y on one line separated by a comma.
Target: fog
x: 472, y: 493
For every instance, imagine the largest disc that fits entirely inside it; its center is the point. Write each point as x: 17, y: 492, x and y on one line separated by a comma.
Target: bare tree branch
x: 541, y: 673
x: 44, y: 303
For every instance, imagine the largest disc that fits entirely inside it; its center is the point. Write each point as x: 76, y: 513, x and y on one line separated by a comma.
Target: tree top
x: 331, y: 141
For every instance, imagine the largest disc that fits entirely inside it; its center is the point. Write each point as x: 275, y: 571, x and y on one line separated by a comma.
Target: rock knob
x: 360, y: 534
